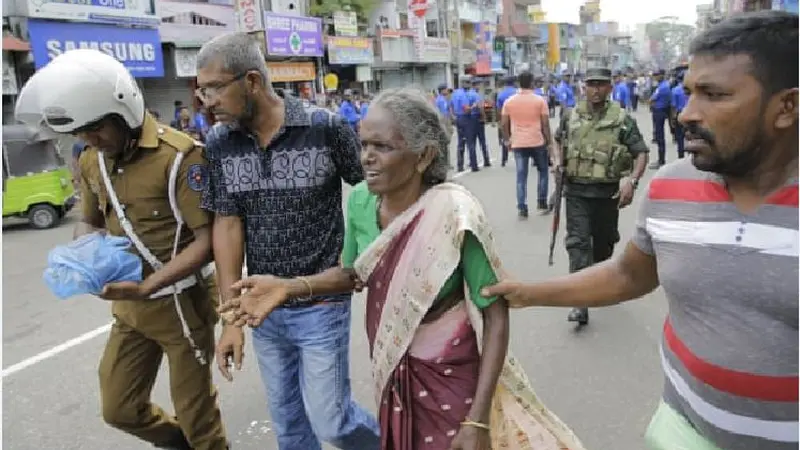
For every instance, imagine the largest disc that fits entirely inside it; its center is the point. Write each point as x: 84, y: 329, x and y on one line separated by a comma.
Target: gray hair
x: 421, y: 126
x: 237, y: 52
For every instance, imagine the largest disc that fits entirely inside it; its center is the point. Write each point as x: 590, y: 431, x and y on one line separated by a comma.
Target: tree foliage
x: 674, y: 39
x: 326, y: 8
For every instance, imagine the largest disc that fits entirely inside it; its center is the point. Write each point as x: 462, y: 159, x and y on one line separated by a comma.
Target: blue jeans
x: 303, y: 354
x: 522, y: 158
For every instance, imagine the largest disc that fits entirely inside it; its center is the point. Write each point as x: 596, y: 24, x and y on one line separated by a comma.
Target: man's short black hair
x: 769, y: 38
x: 525, y: 80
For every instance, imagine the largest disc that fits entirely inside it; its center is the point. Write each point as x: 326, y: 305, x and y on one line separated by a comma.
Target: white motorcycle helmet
x: 79, y: 88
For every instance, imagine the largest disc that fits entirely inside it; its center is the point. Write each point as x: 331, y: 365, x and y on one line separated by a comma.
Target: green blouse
x: 362, y: 229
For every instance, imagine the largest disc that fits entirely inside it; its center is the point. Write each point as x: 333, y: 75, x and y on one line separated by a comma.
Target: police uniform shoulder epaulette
x: 180, y: 141
x: 88, y: 157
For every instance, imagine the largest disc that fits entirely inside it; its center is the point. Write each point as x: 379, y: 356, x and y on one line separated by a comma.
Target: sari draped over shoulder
x: 425, y: 373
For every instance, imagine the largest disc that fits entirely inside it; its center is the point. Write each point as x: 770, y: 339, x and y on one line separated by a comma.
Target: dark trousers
x: 680, y: 136
x: 591, y: 230
x: 634, y: 102
x: 660, y: 116
x: 504, y: 149
x: 480, y: 138
x: 466, y: 140
x: 551, y: 105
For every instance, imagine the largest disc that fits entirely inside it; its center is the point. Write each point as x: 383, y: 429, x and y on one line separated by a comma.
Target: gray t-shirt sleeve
x: 641, y: 237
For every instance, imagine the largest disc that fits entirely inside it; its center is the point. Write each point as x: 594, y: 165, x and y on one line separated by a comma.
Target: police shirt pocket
x: 149, y: 210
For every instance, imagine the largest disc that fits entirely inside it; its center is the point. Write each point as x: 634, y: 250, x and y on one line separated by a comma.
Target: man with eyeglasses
x: 142, y: 180
x: 276, y: 168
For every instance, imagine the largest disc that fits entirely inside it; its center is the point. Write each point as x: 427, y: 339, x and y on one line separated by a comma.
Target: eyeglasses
x: 208, y: 93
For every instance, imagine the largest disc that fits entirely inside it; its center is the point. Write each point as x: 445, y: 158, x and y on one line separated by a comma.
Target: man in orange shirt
x: 525, y: 124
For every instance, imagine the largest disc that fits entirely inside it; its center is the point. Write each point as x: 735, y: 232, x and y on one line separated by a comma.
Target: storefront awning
x: 15, y: 44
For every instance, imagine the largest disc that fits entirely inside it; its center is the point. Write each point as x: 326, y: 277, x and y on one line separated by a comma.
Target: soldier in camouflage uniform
x: 604, y: 156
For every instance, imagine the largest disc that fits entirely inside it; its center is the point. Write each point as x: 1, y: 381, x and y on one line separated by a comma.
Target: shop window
x: 432, y: 28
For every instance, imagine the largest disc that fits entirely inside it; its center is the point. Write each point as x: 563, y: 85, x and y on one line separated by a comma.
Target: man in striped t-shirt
x: 720, y: 234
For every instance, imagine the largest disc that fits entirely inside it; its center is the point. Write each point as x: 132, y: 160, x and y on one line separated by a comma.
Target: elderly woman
x: 423, y: 249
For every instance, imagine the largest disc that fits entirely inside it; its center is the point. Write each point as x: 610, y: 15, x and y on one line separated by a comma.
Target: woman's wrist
x: 478, y: 415
x: 298, y: 287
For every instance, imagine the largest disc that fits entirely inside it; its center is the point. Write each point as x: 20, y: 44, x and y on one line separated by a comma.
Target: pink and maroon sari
x: 425, y: 373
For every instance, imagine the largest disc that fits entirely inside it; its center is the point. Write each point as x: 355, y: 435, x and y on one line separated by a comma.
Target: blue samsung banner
x: 139, y: 49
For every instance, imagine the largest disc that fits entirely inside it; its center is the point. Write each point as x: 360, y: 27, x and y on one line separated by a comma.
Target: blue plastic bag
x: 90, y: 262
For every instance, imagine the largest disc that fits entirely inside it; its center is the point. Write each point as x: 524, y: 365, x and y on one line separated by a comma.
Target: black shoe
x: 656, y: 165
x: 580, y: 315
x: 487, y: 164
x: 523, y: 213
x: 543, y: 207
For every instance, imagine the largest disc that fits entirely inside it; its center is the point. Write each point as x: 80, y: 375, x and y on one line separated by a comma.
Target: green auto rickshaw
x: 37, y: 184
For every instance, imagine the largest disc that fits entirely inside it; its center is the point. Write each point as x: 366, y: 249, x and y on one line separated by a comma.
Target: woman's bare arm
x: 495, y: 347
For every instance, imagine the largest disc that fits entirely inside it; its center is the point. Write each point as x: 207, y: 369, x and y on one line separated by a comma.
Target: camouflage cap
x: 598, y: 75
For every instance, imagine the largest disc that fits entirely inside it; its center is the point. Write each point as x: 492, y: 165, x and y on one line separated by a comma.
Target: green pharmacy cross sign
x: 295, y: 43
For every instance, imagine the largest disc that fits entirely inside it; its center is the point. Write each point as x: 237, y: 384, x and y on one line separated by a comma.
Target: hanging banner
x: 293, y: 35
x: 553, y: 45
x: 484, y: 37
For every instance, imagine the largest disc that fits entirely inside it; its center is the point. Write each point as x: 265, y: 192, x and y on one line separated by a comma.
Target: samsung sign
x: 125, y: 12
x: 139, y: 49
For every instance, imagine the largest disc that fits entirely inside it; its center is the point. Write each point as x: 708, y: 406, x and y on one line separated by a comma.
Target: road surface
x: 603, y: 381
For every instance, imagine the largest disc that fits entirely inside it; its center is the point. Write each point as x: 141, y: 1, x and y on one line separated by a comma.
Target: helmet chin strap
x: 128, y: 137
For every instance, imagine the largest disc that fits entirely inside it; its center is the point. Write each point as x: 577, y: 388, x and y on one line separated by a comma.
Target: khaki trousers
x: 143, y: 332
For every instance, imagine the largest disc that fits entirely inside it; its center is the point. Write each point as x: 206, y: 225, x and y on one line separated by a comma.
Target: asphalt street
x: 604, y: 380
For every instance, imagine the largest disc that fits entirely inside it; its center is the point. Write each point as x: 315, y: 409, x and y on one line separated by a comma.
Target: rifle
x: 555, y: 206
x: 555, y: 198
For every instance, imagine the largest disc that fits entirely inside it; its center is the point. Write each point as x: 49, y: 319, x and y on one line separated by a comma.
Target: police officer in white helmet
x: 141, y: 180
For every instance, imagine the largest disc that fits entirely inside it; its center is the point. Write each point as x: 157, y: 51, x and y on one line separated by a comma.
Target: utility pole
x: 459, y: 42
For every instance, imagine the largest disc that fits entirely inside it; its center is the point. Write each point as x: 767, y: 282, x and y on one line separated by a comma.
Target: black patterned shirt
x: 288, y: 194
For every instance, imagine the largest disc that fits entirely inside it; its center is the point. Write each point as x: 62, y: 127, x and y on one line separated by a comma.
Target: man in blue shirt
x: 539, y: 89
x: 509, y: 90
x: 620, y: 92
x: 364, y: 106
x: 478, y: 119
x: 552, y: 97
x: 566, y: 94
x: 462, y: 107
x: 679, y: 101
x: 660, y: 103
x: 444, y: 107
x: 631, y: 82
x: 348, y: 111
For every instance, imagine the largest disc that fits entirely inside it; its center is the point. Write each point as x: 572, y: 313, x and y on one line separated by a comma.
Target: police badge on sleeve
x: 198, y: 177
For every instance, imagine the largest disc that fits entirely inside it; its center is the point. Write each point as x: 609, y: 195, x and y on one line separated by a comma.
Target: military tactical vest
x: 594, y: 151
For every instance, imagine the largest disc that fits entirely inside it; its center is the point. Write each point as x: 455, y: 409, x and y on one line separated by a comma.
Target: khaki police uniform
x: 182, y: 326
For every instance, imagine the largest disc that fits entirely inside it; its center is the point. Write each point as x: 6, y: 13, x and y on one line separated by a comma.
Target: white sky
x: 626, y: 12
